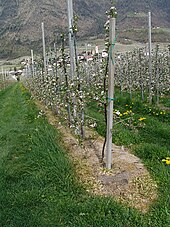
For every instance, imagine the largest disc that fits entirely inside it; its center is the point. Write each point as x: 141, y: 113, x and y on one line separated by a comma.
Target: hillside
x: 20, y: 20
x: 134, y: 13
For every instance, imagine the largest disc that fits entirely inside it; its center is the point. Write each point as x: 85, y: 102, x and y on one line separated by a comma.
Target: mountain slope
x: 134, y: 12
x: 20, y: 20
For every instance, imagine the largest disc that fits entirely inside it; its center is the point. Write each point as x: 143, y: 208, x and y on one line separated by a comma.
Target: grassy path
x: 37, y: 182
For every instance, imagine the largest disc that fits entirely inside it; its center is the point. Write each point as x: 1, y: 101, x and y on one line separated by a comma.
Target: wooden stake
x: 150, y: 57
x: 55, y: 54
x: 71, y: 38
x: 44, y: 53
x: 110, y: 95
x: 32, y: 61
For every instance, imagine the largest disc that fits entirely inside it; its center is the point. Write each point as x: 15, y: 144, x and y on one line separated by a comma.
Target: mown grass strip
x: 151, y: 143
x: 37, y: 182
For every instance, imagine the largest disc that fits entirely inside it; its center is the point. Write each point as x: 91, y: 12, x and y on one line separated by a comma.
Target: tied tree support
x: 71, y: 48
x: 71, y: 38
x: 150, y: 56
x: 112, y: 38
x: 32, y: 62
x: 44, y: 51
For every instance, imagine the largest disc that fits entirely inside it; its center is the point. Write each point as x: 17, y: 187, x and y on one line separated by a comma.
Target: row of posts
x: 111, y: 71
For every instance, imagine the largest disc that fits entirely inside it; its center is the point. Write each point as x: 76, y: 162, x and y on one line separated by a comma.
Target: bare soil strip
x: 129, y: 181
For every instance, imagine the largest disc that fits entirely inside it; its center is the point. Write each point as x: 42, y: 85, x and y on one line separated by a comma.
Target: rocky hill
x: 20, y: 20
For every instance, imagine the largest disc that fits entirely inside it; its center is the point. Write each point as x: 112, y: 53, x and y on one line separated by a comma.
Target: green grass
x: 38, y: 186
x: 151, y: 143
x: 166, y: 101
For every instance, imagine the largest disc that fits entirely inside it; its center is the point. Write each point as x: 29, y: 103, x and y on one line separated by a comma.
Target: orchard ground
x: 40, y: 185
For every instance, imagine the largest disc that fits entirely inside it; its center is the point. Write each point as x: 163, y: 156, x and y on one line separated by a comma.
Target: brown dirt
x: 128, y: 181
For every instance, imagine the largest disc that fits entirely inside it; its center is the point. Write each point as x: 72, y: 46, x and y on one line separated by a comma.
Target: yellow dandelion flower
x: 141, y: 118
x: 125, y: 113
x: 167, y: 160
